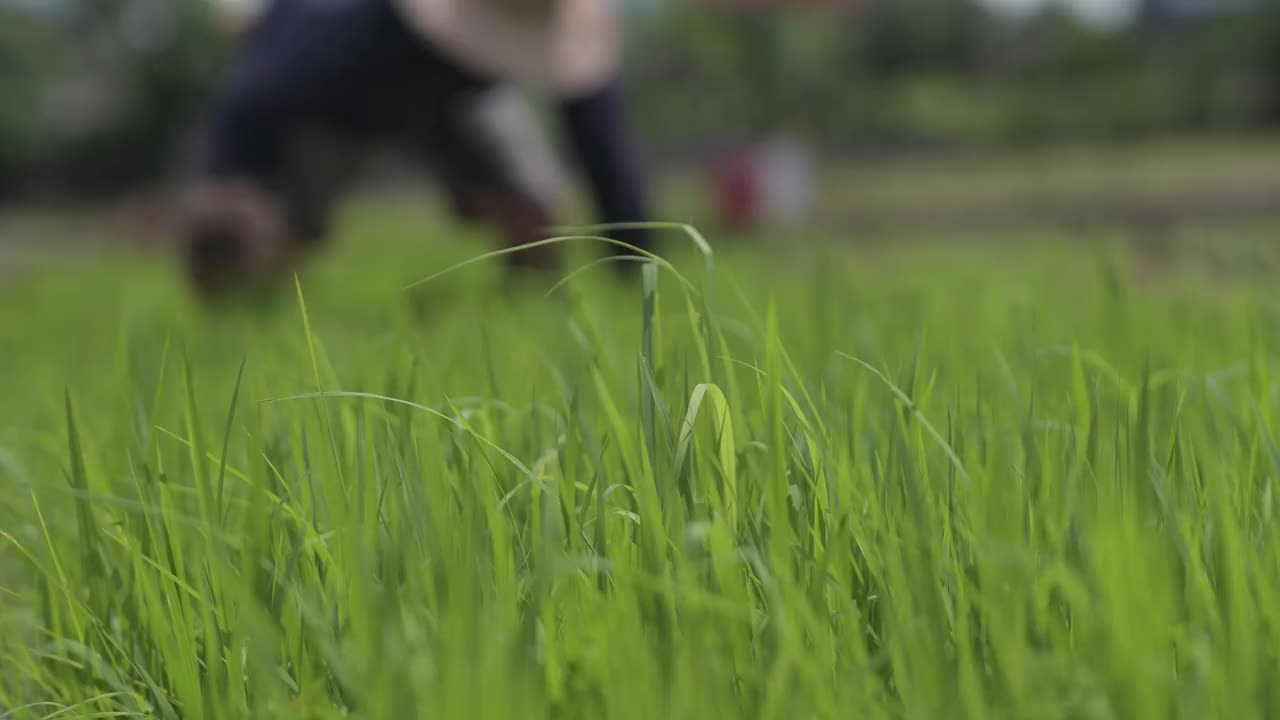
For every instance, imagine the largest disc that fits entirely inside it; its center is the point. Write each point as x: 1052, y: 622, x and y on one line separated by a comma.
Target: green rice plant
x: 742, y: 485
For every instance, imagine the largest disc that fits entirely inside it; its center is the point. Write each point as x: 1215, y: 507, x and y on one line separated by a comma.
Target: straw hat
x: 562, y: 46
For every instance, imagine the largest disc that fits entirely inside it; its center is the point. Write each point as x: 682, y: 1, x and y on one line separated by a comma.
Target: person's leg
x: 599, y: 133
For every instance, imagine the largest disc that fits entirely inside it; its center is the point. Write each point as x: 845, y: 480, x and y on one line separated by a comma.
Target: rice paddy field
x: 1024, y: 478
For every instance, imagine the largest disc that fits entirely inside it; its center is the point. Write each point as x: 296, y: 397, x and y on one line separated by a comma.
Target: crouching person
x: 424, y: 76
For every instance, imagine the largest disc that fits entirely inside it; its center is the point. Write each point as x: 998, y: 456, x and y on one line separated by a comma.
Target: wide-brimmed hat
x: 562, y: 46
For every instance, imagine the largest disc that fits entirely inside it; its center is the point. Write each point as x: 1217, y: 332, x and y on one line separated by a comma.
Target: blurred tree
x: 96, y: 94
x: 910, y: 35
x: 22, y: 135
x: 158, y: 58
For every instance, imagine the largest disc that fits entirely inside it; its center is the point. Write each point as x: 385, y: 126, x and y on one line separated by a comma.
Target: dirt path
x: 1152, y: 187
x: 1149, y: 211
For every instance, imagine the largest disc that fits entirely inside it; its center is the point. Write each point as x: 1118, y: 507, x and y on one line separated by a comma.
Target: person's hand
x: 519, y: 221
x: 234, y: 237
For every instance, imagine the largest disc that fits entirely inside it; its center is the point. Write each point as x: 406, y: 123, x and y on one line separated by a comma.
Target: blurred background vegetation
x: 102, y: 95
x: 954, y: 72
x: 98, y: 95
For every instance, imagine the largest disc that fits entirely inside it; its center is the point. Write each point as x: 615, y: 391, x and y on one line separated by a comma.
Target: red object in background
x: 737, y: 188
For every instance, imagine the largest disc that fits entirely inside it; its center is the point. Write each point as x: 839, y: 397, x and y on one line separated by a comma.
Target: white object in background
x: 786, y: 166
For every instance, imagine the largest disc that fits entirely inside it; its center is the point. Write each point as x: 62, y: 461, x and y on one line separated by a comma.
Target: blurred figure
x: 430, y: 77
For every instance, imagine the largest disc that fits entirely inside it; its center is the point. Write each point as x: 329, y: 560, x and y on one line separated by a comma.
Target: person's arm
x: 244, y: 139
x: 253, y: 136
x: 601, y: 140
